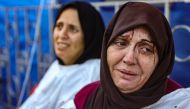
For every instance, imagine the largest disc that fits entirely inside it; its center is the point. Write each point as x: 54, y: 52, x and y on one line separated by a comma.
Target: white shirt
x: 60, y: 84
x: 179, y: 99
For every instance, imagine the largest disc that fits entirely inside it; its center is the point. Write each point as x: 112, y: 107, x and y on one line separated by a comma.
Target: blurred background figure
x: 77, y: 40
x: 23, y: 21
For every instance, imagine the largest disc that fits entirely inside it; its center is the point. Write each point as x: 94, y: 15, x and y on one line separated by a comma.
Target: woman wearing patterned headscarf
x: 137, y: 57
x: 77, y: 38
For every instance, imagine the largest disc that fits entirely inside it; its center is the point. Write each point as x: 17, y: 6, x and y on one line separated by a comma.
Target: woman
x: 77, y: 37
x: 137, y: 56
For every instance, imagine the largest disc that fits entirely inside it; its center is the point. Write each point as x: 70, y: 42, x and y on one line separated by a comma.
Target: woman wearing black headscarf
x: 137, y: 56
x: 77, y: 38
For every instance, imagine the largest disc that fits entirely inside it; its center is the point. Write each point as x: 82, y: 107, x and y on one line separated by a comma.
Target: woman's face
x: 68, y: 37
x: 132, y: 57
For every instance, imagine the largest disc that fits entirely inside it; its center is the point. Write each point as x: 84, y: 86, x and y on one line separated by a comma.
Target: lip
x: 127, y: 74
x: 62, y: 45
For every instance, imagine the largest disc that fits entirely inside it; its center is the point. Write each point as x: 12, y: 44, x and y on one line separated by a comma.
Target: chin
x: 123, y: 86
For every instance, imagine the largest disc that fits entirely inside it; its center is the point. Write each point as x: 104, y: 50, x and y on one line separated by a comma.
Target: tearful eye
x: 145, y: 47
x: 146, y: 50
x: 120, y: 42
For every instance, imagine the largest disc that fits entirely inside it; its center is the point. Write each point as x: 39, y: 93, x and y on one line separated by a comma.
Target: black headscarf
x: 129, y: 16
x: 92, y: 27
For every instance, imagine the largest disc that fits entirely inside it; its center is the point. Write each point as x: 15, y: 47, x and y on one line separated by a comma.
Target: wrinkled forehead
x: 137, y: 33
x: 140, y: 32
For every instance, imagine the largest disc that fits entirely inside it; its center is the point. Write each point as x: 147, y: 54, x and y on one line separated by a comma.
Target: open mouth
x: 62, y: 46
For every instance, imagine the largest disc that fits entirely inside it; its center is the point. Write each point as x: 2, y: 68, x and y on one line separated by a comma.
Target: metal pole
x: 167, y: 10
x: 37, y: 28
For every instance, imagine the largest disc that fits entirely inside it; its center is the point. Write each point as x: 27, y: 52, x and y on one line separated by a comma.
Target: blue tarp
x: 180, y: 16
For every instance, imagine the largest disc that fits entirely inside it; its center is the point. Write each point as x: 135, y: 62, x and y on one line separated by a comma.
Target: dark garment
x: 128, y: 17
x: 82, y: 96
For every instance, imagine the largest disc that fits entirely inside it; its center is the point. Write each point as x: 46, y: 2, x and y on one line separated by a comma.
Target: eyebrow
x: 123, y: 37
x: 145, y: 40
x: 142, y: 40
x: 126, y: 36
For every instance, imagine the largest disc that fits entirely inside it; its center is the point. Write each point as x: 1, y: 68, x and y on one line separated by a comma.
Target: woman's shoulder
x: 51, y: 71
x: 182, y: 93
x: 178, y: 99
x: 92, y: 62
x: 90, y: 69
x: 53, y: 67
x: 82, y: 95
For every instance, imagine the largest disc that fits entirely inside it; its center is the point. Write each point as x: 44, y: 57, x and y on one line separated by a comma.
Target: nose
x: 129, y: 57
x: 64, y: 33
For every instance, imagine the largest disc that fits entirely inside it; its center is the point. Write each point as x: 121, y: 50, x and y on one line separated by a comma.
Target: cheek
x: 55, y: 37
x: 81, y: 41
x: 78, y: 46
x: 147, y: 67
x: 78, y: 42
x: 77, y: 37
x: 113, y: 58
x: 109, y: 58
